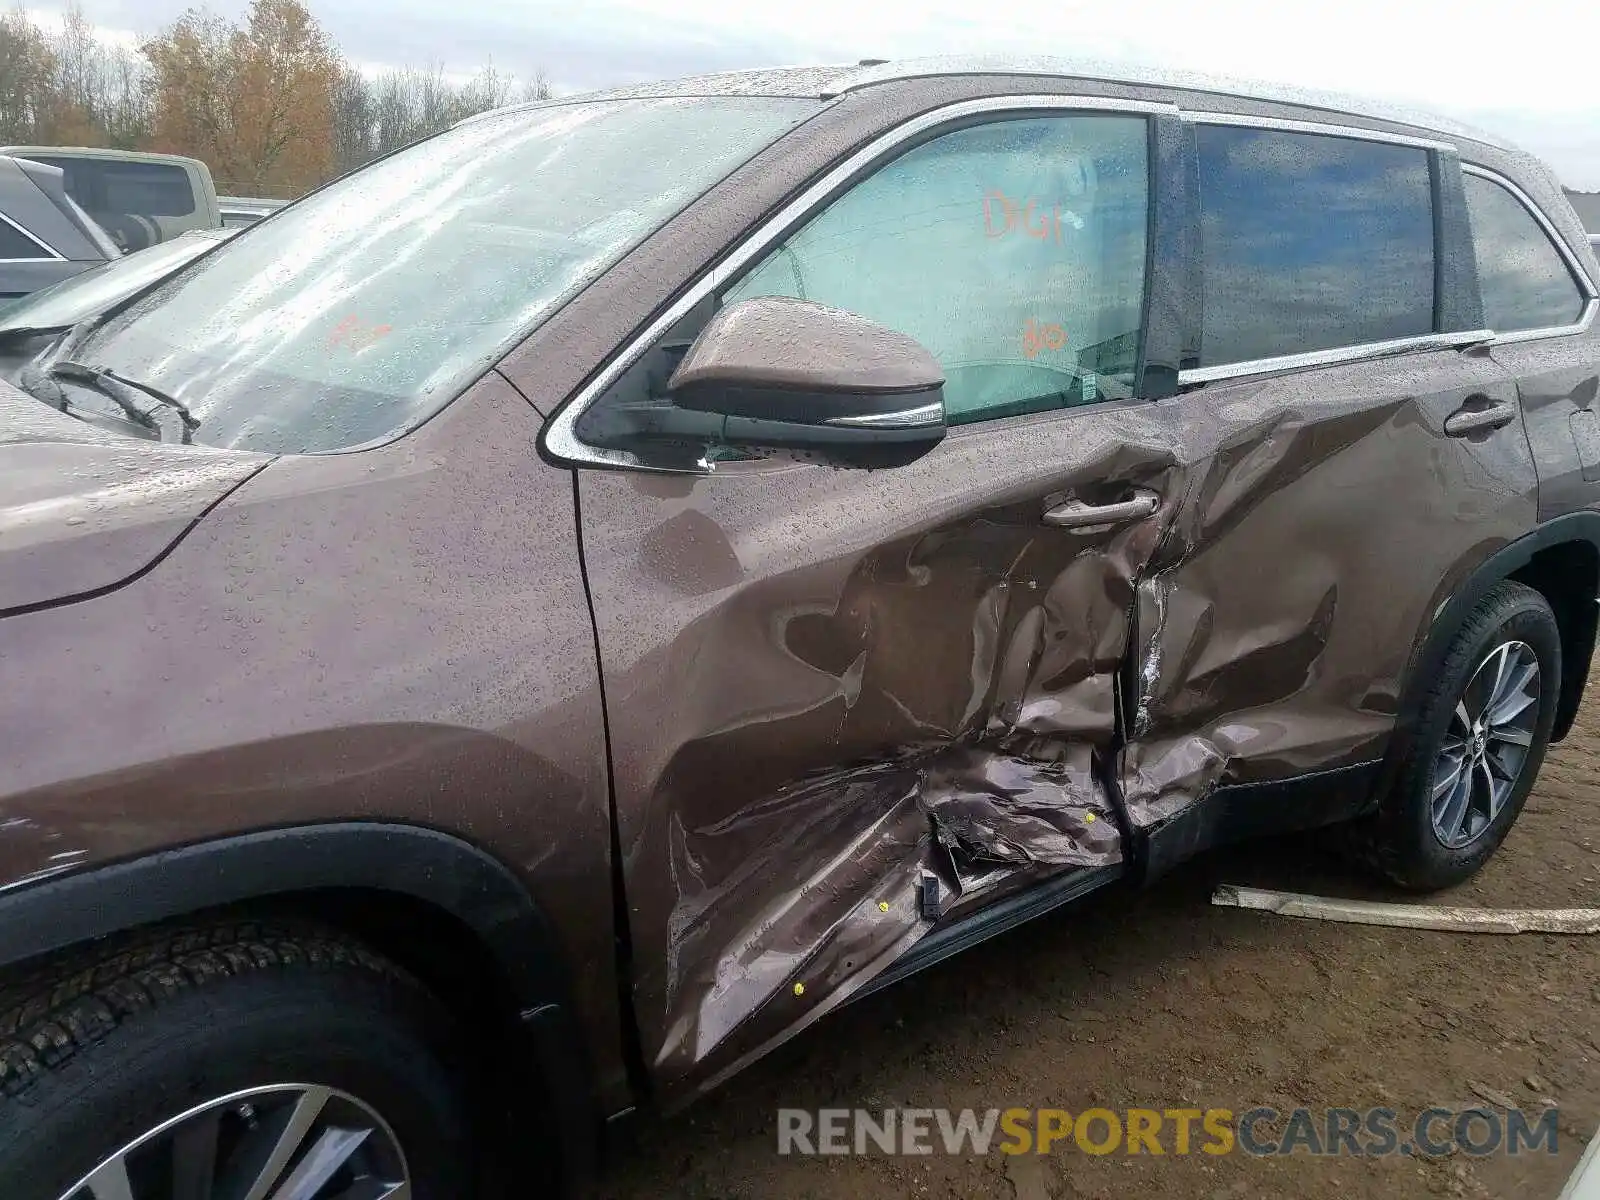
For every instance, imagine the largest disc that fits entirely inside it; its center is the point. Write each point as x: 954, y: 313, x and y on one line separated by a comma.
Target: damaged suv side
x: 621, y: 612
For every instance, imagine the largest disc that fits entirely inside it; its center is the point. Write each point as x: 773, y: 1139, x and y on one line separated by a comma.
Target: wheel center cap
x: 1480, y: 742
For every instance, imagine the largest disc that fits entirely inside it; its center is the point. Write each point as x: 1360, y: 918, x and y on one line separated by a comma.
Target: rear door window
x: 1310, y: 242
x: 1525, y: 282
x: 1013, y: 251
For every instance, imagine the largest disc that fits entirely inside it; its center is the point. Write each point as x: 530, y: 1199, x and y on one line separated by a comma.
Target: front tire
x: 229, y: 1060
x: 1481, y: 737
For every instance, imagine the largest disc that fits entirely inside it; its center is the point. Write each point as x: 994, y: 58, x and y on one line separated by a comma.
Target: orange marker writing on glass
x: 1036, y: 337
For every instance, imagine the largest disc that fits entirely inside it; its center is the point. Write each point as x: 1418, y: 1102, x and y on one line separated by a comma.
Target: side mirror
x: 776, y: 374
x: 786, y: 374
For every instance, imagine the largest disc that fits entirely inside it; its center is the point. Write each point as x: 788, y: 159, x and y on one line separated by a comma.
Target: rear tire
x: 102, y: 1049
x: 1438, y: 825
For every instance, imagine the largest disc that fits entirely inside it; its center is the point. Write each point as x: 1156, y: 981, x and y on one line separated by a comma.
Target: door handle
x: 1466, y: 421
x: 1075, y: 514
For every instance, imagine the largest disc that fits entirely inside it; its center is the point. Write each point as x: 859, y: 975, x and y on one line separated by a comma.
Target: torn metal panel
x: 800, y: 655
x: 798, y: 639
x: 785, y: 909
x: 1278, y: 620
x: 824, y: 872
x: 1000, y: 815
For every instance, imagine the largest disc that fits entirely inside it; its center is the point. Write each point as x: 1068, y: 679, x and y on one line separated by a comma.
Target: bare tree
x: 412, y: 103
x: 354, y: 120
x: 27, y: 78
x: 99, y: 89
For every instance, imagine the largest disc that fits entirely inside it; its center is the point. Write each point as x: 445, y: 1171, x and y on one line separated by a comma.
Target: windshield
x: 70, y: 301
x: 358, y: 312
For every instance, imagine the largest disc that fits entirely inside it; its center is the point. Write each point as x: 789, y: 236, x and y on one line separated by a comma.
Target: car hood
x: 83, y: 509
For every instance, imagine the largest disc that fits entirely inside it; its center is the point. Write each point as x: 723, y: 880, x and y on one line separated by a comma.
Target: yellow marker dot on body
x: 799, y: 989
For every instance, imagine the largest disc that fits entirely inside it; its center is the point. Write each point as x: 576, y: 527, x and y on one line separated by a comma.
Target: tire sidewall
x: 360, y: 1036
x: 1519, y: 615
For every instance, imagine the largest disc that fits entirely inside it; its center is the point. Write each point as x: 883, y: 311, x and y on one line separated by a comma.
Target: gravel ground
x: 1156, y: 999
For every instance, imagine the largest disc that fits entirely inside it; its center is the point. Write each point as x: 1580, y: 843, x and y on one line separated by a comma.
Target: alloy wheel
x: 1486, y: 744
x: 287, y: 1142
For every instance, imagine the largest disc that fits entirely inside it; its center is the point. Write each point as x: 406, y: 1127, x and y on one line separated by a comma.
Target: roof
x: 149, y: 156
x: 830, y: 81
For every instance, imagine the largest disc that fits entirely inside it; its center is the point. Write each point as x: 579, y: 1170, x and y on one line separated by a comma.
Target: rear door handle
x: 1466, y: 421
x: 1075, y: 514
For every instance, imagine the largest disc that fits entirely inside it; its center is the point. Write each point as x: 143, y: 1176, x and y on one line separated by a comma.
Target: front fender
x: 424, y: 865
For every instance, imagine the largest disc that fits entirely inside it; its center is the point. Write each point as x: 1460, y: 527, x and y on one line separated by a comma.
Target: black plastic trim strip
x: 1237, y: 811
x: 1434, y: 643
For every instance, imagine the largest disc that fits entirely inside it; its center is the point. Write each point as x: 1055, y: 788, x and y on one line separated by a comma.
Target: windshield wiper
x: 149, y: 406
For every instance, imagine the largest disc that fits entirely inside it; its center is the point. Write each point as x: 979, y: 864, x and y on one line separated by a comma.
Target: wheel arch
x: 1560, y: 560
x: 444, y: 909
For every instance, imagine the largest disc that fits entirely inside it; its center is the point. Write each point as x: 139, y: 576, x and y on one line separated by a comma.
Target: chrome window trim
x: 1333, y: 356
x: 560, y: 437
x: 1586, y: 286
x: 51, y: 254
x: 1322, y: 129
x: 1581, y: 325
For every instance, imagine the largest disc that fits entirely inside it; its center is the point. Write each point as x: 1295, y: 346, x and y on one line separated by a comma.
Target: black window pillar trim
x: 1458, y: 302
x: 1170, y: 285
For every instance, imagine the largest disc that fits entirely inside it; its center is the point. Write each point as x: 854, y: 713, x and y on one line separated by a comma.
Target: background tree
x: 269, y: 104
x: 256, y: 103
x: 98, y: 89
x: 27, y: 78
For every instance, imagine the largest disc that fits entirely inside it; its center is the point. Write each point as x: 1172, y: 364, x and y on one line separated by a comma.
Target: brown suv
x: 541, y: 621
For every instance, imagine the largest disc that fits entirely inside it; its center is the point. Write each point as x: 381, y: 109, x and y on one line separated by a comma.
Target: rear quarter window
x: 1524, y: 280
x: 17, y: 246
x: 1310, y: 242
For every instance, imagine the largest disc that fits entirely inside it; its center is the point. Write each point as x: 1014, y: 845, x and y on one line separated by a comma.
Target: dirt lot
x: 1158, y: 1000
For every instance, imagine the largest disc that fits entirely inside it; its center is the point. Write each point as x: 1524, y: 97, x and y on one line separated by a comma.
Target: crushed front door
x: 847, y: 707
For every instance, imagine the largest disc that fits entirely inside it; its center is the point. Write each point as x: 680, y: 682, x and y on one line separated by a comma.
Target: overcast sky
x: 1529, y: 70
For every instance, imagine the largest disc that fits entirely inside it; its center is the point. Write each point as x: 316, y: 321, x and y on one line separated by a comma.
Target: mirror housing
x: 777, y: 374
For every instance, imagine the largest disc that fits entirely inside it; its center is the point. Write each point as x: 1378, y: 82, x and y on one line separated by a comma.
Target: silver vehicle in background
x: 45, y: 236
x: 239, y: 211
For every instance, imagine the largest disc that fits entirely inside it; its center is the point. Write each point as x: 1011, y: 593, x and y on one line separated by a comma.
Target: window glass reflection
x: 1310, y: 242
x: 1523, y: 279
